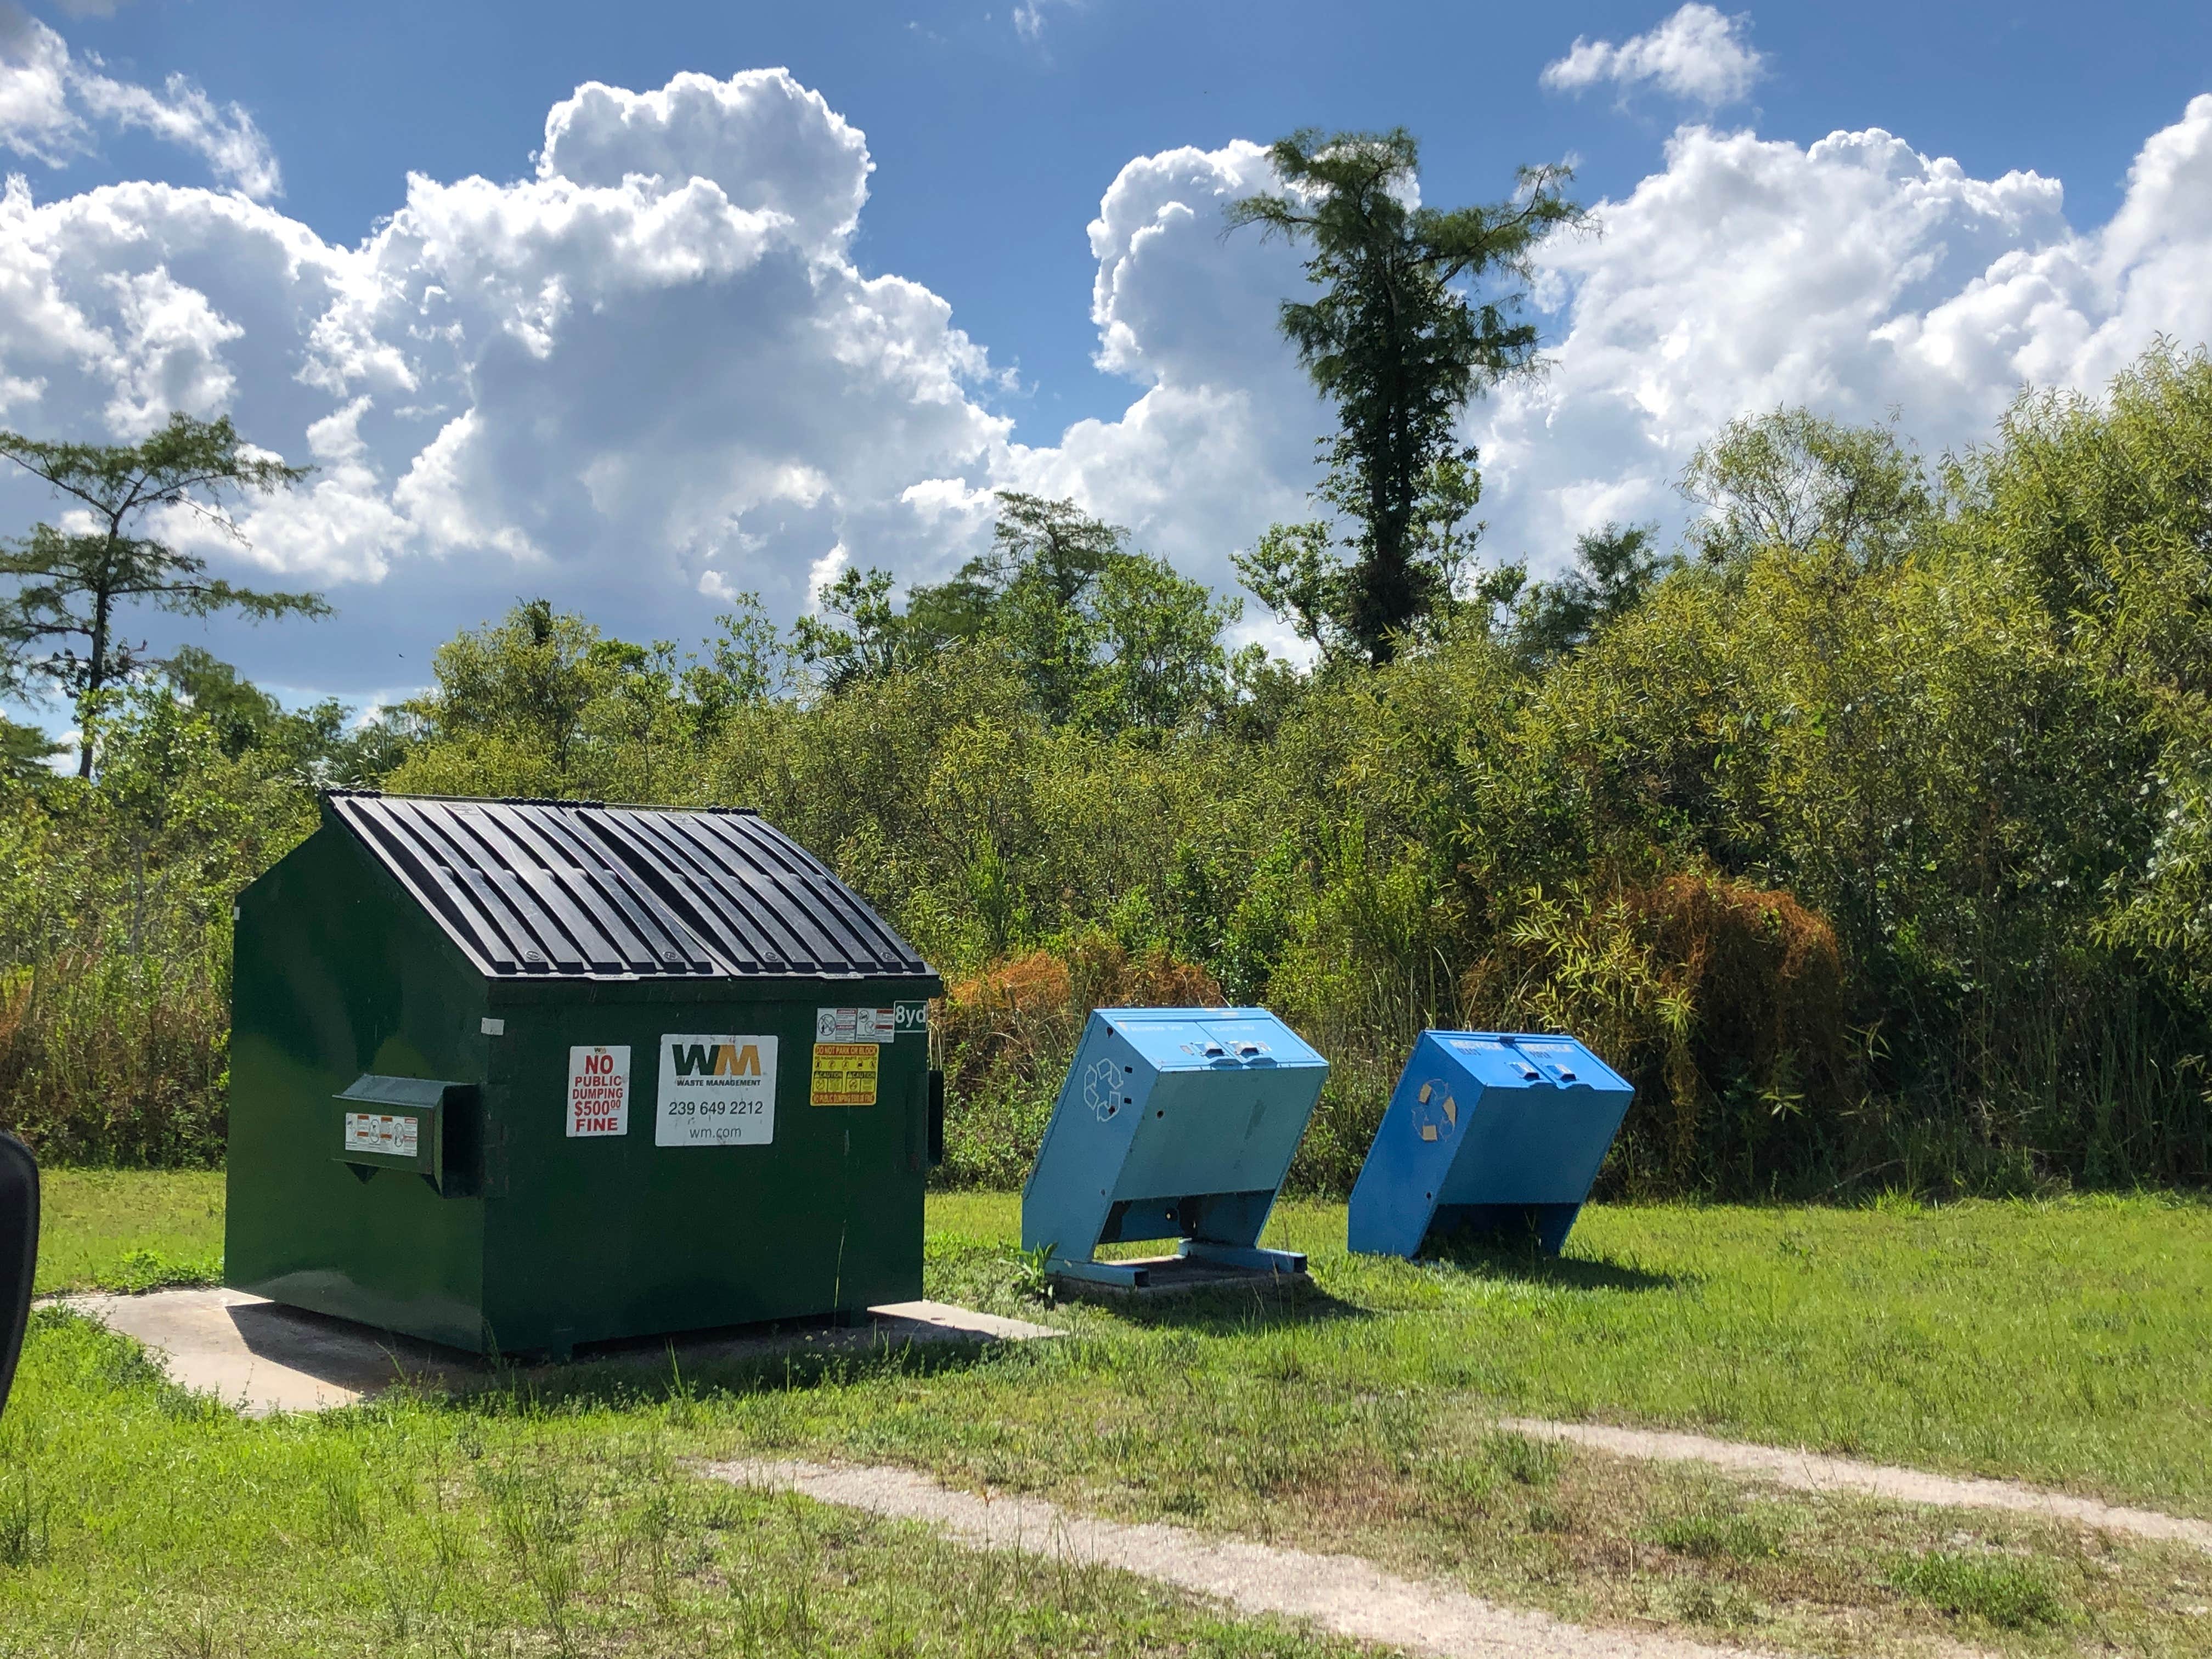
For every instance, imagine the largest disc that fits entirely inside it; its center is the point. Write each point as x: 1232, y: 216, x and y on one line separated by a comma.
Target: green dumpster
x: 516, y: 1075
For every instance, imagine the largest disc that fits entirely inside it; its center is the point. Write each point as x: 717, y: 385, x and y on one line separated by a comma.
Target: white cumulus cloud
x: 649, y: 369
x: 1700, y: 54
x: 1854, y: 275
x: 648, y: 374
x: 50, y: 102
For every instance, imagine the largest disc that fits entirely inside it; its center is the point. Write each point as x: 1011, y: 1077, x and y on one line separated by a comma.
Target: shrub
x: 1723, y: 1002
x: 1009, y: 1033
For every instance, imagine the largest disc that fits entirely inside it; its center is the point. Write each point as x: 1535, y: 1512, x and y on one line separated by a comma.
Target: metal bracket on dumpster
x: 404, y: 1123
x: 1486, y: 1132
x: 1173, y: 1123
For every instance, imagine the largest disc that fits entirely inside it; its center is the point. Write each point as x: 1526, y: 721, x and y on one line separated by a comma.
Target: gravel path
x: 1338, y: 1593
x: 1805, y: 1471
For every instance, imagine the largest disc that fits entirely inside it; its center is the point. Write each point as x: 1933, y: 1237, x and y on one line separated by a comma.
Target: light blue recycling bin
x: 1173, y: 1123
x: 1486, y: 1130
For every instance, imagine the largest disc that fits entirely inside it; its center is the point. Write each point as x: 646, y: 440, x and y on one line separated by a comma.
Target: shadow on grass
x: 654, y: 1372
x: 1229, y: 1310
x: 1490, y: 1257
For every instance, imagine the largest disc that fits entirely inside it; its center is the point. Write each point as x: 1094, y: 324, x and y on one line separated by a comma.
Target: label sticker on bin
x: 715, y: 1091
x: 598, y: 1091
x: 395, y: 1137
x: 855, y: 1024
x: 844, y: 1074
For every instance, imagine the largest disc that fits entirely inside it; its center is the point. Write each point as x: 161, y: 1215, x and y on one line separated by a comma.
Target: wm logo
x: 717, y: 1059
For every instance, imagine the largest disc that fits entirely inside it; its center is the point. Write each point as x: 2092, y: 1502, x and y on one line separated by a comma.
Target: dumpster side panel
x: 1227, y: 1129
x: 602, y: 1235
x: 338, y: 973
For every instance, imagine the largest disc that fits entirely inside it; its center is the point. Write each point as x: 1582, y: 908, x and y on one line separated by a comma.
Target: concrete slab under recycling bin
x: 262, y: 1357
x: 1163, y: 1276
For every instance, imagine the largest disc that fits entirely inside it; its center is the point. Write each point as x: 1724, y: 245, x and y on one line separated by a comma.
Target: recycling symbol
x: 1436, y: 1113
x: 1102, y: 1086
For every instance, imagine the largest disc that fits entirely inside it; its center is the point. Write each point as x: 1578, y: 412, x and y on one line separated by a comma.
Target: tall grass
x: 116, y: 1060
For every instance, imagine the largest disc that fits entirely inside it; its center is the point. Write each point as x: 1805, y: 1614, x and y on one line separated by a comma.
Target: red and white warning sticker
x: 370, y: 1131
x: 598, y: 1091
x: 855, y: 1024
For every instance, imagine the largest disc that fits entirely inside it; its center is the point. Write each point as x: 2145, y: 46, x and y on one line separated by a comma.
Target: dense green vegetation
x: 2062, y: 1341
x: 1867, y: 834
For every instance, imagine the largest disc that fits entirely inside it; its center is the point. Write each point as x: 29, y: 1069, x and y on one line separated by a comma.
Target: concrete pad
x: 1805, y: 1471
x: 260, y: 1357
x: 1339, y: 1593
x: 1177, y: 1275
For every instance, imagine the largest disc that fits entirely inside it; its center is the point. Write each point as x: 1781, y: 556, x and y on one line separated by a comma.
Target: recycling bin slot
x: 1486, y: 1132
x: 1173, y: 1123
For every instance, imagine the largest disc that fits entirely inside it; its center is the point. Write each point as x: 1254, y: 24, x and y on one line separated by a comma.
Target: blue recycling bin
x: 1173, y: 1123
x: 1490, y: 1131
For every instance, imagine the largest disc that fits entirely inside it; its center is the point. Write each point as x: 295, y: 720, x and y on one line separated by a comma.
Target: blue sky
x: 654, y: 437
x: 991, y: 146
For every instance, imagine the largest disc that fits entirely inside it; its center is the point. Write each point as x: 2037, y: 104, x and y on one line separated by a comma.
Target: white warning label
x: 855, y: 1024
x: 598, y: 1091
x: 394, y: 1137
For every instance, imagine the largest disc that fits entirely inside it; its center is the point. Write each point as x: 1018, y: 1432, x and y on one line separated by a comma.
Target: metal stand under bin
x: 1173, y: 1123
x: 1491, y: 1132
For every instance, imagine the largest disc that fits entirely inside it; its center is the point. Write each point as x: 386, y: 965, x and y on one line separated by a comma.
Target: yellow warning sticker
x: 845, y: 1073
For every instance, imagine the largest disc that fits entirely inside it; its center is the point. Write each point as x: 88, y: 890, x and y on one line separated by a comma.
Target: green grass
x: 137, y: 1521
x: 2068, y: 1342
x: 1998, y: 1589
x: 129, y: 1229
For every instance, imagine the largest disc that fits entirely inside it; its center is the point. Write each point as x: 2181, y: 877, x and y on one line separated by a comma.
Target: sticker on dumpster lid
x: 855, y: 1024
x: 598, y: 1091
x: 393, y: 1137
x: 715, y: 1091
x: 844, y: 1074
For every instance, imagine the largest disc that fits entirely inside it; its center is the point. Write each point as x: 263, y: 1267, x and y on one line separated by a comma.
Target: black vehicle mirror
x: 19, y: 1251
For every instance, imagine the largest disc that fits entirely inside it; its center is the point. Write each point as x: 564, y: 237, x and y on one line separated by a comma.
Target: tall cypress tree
x: 1412, y: 319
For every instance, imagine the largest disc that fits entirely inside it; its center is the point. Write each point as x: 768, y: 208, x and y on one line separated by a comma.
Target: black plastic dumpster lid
x: 574, y: 889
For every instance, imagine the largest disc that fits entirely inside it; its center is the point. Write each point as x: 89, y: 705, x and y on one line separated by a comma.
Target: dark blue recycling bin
x: 1489, y: 1131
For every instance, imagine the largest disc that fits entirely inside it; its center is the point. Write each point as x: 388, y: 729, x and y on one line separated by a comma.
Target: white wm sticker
x: 394, y: 1137
x: 716, y: 1091
x: 855, y: 1024
x: 598, y: 1091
